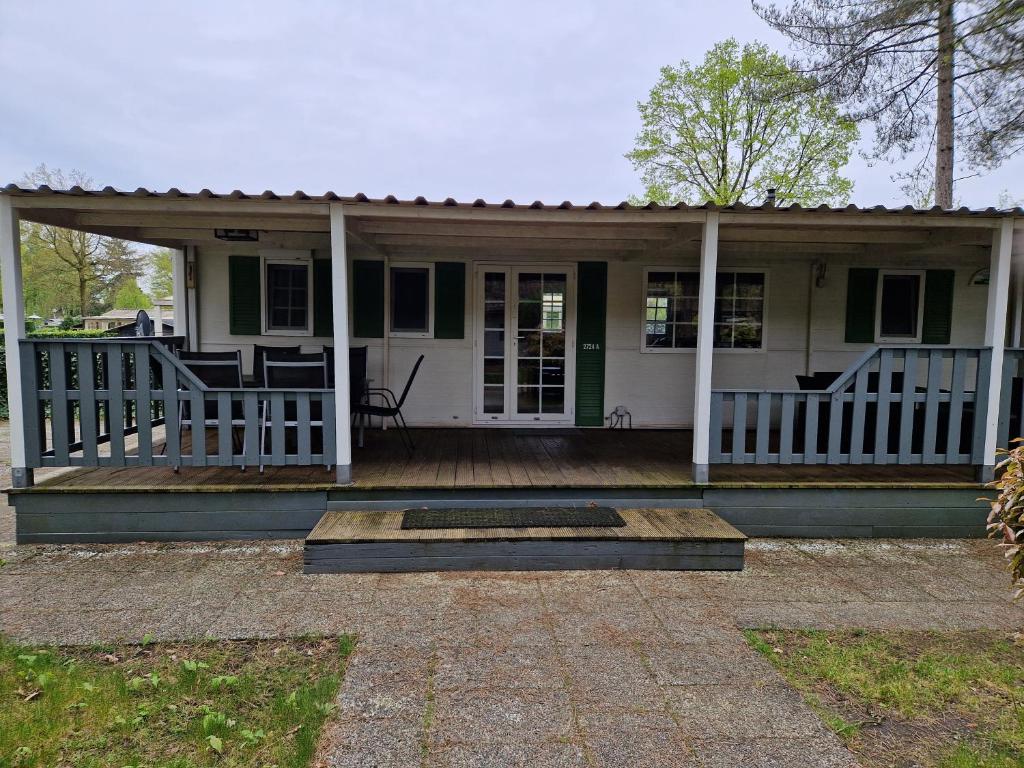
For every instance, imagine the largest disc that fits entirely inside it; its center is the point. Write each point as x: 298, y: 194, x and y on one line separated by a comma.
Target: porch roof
x: 393, y: 226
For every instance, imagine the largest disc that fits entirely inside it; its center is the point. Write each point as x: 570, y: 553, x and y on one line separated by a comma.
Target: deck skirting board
x: 523, y: 555
x: 169, y: 515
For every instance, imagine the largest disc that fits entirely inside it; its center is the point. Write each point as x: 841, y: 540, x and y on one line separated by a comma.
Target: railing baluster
x: 87, y: 402
x: 197, y: 435
x: 786, y: 429
x: 34, y: 426
x: 251, y: 436
x: 811, y: 428
x: 860, y: 398
x: 302, y: 440
x: 59, y: 404
x: 764, y: 425
x: 114, y: 377
x: 956, y: 406
x: 715, y: 439
x: 981, y: 408
x: 884, y: 397
x: 739, y: 428
x: 225, y: 430
x: 907, y: 405
x: 172, y: 415
x: 143, y: 401
x: 277, y: 428
x: 932, y: 407
x: 330, y: 448
x: 835, y: 427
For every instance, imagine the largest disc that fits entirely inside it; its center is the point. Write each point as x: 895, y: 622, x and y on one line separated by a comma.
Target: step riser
x: 398, y: 504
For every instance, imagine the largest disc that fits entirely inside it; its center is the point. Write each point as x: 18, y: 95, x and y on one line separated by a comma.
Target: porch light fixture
x: 237, y: 235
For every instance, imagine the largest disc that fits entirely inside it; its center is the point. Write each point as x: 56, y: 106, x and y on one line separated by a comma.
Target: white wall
x: 656, y: 387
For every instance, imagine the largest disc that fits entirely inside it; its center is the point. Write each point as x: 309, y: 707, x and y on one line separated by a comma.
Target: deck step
x: 652, y: 539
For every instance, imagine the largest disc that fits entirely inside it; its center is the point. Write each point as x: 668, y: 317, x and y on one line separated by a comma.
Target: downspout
x: 1018, y: 302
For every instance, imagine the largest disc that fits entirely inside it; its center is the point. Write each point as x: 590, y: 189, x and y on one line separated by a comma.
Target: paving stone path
x: 598, y: 668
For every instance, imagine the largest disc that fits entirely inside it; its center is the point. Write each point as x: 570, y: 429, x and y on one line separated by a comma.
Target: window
x: 670, y: 310
x: 899, y: 306
x: 412, y: 310
x: 287, y: 288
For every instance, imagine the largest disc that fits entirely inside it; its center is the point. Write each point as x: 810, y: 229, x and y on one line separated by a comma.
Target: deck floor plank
x: 516, y: 458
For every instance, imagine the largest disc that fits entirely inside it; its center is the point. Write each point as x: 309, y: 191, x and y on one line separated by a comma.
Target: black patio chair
x: 219, y: 370
x: 392, y: 407
x: 290, y: 372
x: 259, y: 354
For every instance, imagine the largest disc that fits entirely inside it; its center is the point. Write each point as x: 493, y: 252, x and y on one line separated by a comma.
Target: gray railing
x: 124, y: 402
x: 894, y: 405
x: 1011, y: 405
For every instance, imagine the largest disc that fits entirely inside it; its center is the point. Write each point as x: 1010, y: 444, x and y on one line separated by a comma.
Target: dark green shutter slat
x: 938, y: 306
x: 591, y: 313
x: 323, y: 306
x: 244, y: 295
x: 449, y: 300
x: 861, y: 288
x: 368, y: 299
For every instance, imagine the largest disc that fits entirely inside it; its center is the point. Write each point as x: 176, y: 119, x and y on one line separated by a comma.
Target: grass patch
x: 259, y: 703
x: 951, y: 700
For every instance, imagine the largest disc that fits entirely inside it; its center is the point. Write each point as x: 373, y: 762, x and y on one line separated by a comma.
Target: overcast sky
x: 521, y: 100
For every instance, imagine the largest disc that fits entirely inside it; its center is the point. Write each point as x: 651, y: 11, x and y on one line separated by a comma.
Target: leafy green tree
x: 738, y: 124
x: 930, y: 75
x: 161, y: 281
x: 130, y: 296
x: 69, y: 270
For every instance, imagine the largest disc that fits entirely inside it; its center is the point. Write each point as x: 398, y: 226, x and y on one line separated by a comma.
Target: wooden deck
x: 670, y: 539
x: 514, y: 459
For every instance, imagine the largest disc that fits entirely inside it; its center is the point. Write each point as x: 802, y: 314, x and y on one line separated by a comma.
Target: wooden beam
x: 524, y: 229
x: 14, y: 332
x: 446, y: 241
x: 535, y: 215
x: 854, y: 219
x: 207, y: 221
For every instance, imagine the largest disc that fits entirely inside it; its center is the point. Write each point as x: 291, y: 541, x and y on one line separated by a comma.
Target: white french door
x: 524, y: 348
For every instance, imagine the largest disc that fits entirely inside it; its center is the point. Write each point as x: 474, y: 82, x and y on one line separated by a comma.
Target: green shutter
x: 449, y: 300
x: 368, y: 299
x: 861, y: 290
x: 938, y: 306
x: 323, y: 305
x: 244, y: 295
x: 591, y: 312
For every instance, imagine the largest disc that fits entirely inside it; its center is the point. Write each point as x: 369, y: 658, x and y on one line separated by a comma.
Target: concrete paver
x: 594, y: 668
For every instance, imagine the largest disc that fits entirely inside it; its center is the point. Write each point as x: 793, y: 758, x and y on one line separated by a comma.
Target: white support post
x: 995, y: 336
x: 179, y: 293
x: 14, y: 332
x: 192, y: 306
x: 705, y: 349
x: 339, y: 293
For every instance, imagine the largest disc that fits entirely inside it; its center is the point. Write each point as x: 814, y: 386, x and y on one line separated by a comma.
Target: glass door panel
x: 540, y: 349
x: 494, y: 347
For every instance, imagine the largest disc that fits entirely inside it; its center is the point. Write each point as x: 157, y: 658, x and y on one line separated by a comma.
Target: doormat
x: 514, y: 517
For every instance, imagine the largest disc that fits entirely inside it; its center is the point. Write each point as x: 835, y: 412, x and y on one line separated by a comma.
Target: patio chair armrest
x: 385, y: 393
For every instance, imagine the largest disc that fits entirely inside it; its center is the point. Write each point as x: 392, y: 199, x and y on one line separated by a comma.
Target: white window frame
x: 287, y: 257
x: 916, y: 338
x: 696, y: 270
x: 429, y: 266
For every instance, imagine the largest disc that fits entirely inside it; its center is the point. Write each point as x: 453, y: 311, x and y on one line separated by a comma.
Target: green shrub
x: 1006, y: 520
x: 43, y: 333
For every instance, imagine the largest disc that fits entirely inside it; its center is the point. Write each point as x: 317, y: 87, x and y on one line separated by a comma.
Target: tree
x: 87, y: 268
x: 161, y: 281
x: 738, y: 125
x: 130, y: 296
x: 930, y: 74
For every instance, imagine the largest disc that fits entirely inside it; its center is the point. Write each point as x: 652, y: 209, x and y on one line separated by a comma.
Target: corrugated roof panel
x: 362, y: 199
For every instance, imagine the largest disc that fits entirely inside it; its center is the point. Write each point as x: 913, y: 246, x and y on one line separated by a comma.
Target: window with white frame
x: 287, y: 292
x: 899, y: 306
x: 670, y: 310
x: 412, y: 300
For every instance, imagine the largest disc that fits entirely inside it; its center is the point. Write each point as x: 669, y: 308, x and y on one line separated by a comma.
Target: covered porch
x: 697, y: 321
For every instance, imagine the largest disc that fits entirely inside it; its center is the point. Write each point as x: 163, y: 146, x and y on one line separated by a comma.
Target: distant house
x: 117, y: 319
